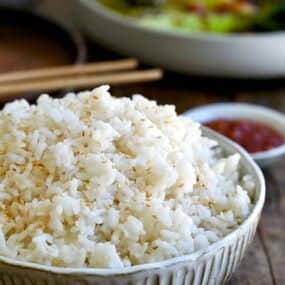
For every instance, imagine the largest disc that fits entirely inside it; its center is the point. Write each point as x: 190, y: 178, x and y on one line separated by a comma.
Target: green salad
x: 216, y: 16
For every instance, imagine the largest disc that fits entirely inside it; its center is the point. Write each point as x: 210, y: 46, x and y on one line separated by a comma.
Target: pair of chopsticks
x: 74, y: 77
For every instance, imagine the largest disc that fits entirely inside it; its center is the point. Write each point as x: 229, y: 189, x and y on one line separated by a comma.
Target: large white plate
x: 243, y: 56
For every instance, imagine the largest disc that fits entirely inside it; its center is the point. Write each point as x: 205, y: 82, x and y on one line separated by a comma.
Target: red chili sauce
x: 253, y: 136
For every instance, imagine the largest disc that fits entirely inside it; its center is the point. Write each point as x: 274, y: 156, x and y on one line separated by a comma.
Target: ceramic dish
x: 211, y: 265
x: 236, y: 56
x: 33, y: 41
x: 22, y: 21
x: 17, y: 3
x: 256, y: 113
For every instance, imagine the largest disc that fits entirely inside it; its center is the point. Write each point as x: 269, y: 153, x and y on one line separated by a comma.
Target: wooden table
x: 264, y: 263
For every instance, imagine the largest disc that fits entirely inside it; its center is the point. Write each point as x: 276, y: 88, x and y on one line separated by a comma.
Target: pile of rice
x: 95, y: 181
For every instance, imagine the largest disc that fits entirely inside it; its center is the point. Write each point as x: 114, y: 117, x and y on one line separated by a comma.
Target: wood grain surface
x: 264, y: 263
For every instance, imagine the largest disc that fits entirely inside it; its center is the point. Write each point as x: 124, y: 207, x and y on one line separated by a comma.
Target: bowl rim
x: 246, y: 159
x: 31, y: 18
x: 264, y: 111
x: 127, y: 22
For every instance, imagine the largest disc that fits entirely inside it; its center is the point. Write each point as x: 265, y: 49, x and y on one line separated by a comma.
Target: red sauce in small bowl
x: 253, y: 136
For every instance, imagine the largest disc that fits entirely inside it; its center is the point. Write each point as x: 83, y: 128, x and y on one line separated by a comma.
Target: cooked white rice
x: 95, y: 181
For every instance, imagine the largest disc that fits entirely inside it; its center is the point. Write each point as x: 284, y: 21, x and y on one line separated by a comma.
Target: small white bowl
x: 260, y: 114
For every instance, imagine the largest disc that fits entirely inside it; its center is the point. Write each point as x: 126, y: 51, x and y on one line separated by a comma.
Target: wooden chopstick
x: 64, y: 71
x: 54, y: 84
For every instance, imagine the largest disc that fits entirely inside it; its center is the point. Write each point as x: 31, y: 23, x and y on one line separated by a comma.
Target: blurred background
x: 183, y: 90
x: 198, y: 69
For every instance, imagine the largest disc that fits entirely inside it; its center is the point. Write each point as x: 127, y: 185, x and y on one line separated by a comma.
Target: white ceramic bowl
x: 264, y: 115
x: 243, y: 56
x: 212, y: 265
